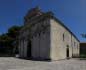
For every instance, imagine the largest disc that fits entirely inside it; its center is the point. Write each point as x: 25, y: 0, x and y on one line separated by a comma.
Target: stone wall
x: 41, y: 40
x: 23, y: 42
x: 76, y: 47
x: 60, y: 44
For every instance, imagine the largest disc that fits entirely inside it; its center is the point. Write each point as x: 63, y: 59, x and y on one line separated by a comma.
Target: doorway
x: 67, y: 52
x: 29, y: 49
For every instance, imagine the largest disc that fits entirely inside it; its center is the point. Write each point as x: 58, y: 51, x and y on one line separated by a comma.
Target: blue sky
x: 71, y: 12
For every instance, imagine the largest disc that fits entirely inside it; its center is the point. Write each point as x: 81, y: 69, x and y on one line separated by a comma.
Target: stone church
x: 45, y: 37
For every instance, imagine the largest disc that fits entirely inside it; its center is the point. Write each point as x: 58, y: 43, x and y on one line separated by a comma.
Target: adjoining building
x: 83, y: 49
x: 45, y: 37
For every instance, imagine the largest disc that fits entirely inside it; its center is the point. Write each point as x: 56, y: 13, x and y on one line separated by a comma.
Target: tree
x: 83, y: 35
x: 13, y: 33
x: 7, y: 39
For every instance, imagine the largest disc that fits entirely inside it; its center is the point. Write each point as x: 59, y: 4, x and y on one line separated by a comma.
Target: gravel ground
x: 10, y: 63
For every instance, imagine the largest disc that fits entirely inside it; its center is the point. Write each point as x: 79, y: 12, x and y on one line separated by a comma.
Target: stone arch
x: 67, y: 51
x: 29, y: 47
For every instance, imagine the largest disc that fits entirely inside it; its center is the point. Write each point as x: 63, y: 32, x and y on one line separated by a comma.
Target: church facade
x: 43, y: 36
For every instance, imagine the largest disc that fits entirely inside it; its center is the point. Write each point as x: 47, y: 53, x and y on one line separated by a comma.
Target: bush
x: 83, y: 56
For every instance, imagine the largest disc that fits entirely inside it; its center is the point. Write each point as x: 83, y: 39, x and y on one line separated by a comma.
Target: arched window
x: 63, y: 36
x: 74, y: 43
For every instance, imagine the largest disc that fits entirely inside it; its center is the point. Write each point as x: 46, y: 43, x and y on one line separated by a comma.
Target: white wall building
x: 45, y: 37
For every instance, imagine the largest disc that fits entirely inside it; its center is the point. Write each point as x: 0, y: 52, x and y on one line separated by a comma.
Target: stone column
x: 25, y: 48
x: 19, y: 48
x: 22, y: 49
